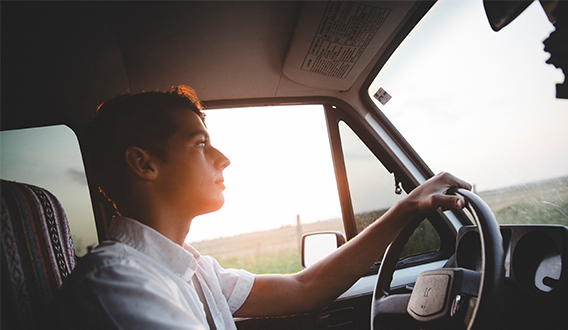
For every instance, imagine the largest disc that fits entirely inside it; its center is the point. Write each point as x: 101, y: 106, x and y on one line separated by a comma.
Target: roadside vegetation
x: 544, y: 202
x: 274, y: 251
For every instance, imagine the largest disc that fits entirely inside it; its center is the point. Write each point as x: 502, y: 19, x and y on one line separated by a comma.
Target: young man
x: 152, y: 157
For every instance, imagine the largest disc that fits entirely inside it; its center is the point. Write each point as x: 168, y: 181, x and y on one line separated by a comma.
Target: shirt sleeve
x: 236, y: 284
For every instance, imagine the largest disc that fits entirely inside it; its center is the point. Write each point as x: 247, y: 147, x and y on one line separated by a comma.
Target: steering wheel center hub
x: 432, y: 300
x: 430, y: 295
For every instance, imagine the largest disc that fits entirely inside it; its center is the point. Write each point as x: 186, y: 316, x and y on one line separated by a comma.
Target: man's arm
x: 321, y: 283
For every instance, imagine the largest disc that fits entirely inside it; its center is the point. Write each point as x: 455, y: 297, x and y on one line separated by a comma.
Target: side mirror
x: 319, y: 244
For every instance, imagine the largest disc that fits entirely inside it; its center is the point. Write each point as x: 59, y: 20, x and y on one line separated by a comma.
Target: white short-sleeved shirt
x: 139, y: 279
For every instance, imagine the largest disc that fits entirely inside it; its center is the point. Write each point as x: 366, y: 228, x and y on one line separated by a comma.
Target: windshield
x: 481, y: 104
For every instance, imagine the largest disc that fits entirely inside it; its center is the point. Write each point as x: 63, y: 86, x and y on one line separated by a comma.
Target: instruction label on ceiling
x: 382, y: 96
x: 343, y: 34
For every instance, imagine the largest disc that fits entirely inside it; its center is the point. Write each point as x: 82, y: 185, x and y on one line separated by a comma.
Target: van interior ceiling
x: 55, y: 50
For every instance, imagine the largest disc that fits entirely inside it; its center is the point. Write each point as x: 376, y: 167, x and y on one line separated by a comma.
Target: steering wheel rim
x: 492, y: 263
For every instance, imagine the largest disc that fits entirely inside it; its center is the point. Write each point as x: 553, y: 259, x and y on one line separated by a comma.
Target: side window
x: 372, y: 191
x: 280, y: 184
x: 50, y: 158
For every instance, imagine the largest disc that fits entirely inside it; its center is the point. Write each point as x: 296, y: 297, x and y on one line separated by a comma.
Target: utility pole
x: 299, y: 231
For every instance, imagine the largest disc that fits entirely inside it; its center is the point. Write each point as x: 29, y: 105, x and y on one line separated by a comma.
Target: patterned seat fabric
x: 37, y: 254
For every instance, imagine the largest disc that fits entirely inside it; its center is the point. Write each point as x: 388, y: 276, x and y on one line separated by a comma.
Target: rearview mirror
x: 501, y: 13
x: 319, y: 244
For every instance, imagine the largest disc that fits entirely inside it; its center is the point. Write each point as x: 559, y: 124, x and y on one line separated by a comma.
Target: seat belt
x: 199, y: 291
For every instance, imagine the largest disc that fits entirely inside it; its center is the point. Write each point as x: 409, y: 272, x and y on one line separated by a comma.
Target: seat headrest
x: 37, y: 252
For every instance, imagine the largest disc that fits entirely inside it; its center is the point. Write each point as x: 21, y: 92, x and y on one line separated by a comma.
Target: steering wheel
x: 453, y: 298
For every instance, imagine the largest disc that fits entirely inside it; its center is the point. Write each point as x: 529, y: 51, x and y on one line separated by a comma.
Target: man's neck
x: 171, y: 226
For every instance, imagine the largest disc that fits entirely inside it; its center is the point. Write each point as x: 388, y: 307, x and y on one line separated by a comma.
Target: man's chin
x: 209, y: 206
x: 217, y: 205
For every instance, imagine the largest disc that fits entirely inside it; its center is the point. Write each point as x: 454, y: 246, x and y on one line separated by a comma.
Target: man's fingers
x: 463, y: 184
x: 449, y: 202
x: 454, y: 181
x: 458, y: 202
x: 432, y: 194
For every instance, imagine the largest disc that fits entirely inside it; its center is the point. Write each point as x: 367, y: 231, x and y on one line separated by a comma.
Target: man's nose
x: 221, y: 161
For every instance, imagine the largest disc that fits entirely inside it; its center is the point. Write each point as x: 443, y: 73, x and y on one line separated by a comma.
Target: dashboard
x: 535, y: 291
x: 535, y: 256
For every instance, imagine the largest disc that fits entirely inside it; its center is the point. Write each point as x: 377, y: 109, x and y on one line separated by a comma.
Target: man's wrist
x: 408, y: 206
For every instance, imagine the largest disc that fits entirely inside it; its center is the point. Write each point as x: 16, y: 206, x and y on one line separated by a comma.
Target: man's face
x: 190, y: 180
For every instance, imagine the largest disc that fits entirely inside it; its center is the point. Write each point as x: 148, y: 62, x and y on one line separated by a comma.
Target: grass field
x: 264, y: 252
x: 544, y: 202
x: 278, y: 250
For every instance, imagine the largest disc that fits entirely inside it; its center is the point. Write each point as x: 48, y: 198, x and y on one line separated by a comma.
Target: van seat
x: 36, y: 254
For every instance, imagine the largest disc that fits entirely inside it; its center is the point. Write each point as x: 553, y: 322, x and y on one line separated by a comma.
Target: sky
x: 479, y: 105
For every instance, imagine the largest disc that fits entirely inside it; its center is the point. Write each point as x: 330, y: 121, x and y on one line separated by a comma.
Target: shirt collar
x: 180, y: 260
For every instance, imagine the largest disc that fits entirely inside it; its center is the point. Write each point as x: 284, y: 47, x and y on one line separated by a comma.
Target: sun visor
x: 335, y: 41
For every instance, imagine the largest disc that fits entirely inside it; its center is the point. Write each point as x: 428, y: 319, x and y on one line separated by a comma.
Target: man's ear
x: 141, y: 163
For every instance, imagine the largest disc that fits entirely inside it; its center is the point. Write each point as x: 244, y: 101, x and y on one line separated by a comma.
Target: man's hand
x: 432, y: 194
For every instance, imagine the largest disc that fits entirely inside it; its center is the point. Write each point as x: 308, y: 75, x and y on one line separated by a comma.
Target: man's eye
x: 202, y: 144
